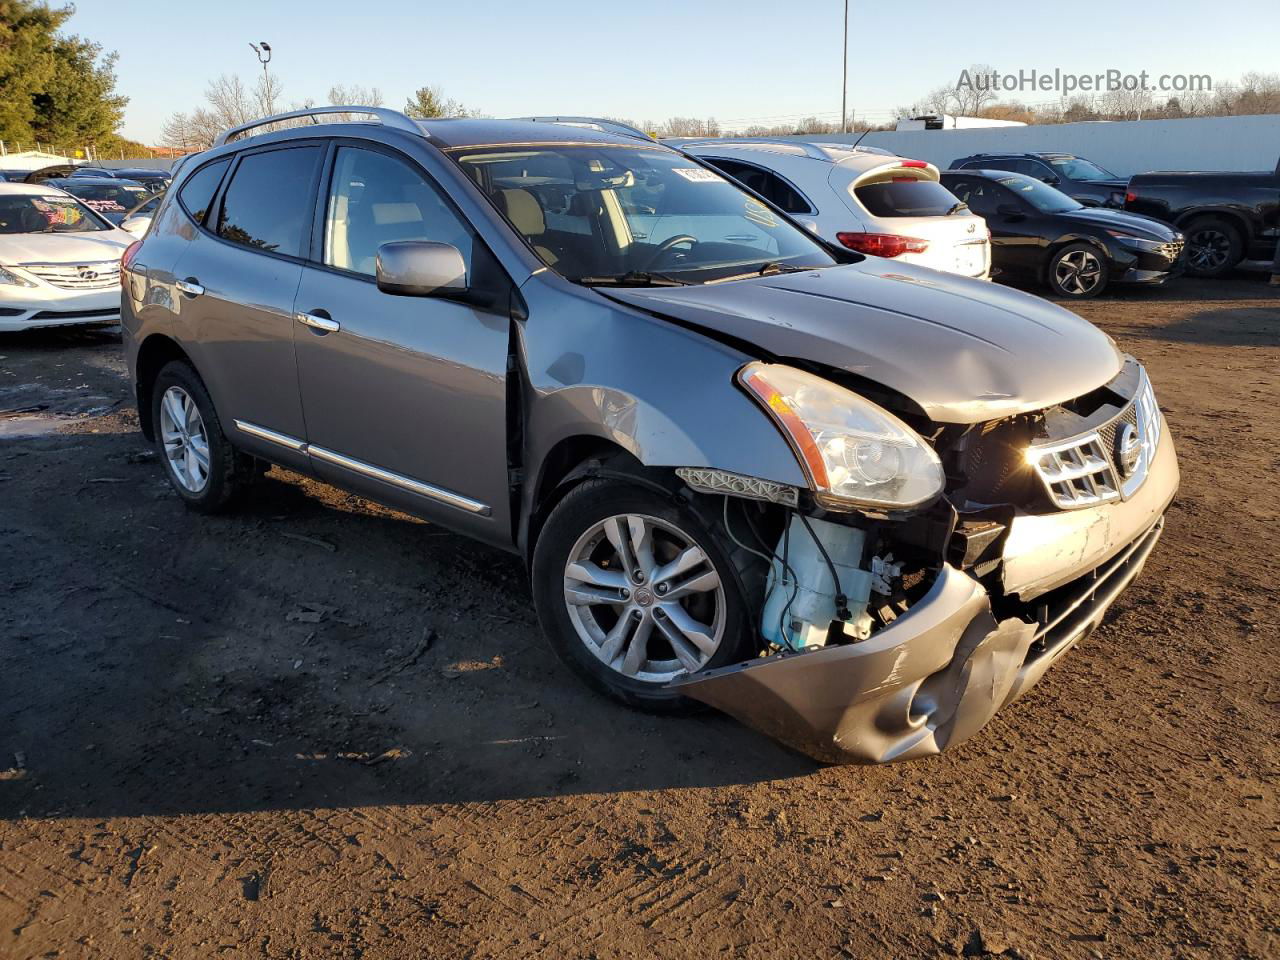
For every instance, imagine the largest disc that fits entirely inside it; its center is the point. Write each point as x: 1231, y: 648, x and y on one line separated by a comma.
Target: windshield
x: 109, y: 199
x: 613, y: 213
x: 1040, y: 195
x: 1076, y: 168
x: 29, y: 213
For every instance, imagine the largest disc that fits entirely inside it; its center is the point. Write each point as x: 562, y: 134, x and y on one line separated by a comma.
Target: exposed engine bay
x: 888, y: 636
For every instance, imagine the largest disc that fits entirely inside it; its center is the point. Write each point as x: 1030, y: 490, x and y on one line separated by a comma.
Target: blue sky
x: 740, y: 61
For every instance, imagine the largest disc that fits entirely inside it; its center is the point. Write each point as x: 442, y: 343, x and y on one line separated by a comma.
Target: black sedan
x: 1040, y: 234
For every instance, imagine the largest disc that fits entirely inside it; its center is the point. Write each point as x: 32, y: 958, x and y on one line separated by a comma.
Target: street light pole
x: 263, y: 50
x: 844, y: 74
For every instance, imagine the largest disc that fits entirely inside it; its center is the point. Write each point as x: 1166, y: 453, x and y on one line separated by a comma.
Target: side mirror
x: 1052, y: 179
x: 1010, y: 210
x: 421, y: 268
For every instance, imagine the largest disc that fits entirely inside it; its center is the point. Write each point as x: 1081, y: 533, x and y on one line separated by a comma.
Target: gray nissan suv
x: 857, y: 504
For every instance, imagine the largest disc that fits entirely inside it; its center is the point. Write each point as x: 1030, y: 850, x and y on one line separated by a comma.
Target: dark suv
x: 856, y: 503
x: 1081, y: 179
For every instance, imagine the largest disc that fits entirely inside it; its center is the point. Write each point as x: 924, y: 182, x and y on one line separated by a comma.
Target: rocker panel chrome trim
x: 428, y: 490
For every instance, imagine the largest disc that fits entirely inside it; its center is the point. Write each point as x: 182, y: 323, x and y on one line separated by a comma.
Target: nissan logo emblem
x: 1128, y: 450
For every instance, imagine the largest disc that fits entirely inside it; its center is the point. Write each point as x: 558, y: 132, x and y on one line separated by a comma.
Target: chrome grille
x: 77, y: 276
x: 1092, y: 468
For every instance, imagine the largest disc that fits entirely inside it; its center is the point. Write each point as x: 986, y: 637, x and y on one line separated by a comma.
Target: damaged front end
x: 898, y: 634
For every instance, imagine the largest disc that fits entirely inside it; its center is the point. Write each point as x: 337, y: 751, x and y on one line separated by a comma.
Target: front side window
x: 30, y: 213
x: 613, y: 213
x: 197, y: 193
x: 981, y: 196
x: 269, y: 200
x: 375, y: 199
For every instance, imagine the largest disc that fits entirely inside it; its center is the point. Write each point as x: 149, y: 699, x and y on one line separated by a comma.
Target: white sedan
x: 871, y: 202
x: 59, y: 261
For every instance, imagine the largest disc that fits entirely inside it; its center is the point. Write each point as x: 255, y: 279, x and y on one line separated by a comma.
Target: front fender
x: 665, y: 394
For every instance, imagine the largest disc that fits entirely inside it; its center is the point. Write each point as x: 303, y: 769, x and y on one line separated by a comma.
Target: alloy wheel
x: 644, y: 598
x: 1208, y: 249
x: 1078, y: 272
x: 186, y: 442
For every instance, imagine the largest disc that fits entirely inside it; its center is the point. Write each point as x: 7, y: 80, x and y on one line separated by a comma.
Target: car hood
x: 964, y: 350
x: 17, y: 248
x: 1121, y: 220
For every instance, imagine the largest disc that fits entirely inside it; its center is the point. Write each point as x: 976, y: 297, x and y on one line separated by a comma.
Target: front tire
x: 1078, y: 271
x: 1214, y: 247
x: 202, y: 466
x: 634, y: 589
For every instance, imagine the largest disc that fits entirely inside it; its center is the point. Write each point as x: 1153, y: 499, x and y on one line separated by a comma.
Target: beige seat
x: 525, y: 213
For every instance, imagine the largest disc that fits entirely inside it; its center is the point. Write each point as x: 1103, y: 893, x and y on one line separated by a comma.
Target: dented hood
x: 964, y: 350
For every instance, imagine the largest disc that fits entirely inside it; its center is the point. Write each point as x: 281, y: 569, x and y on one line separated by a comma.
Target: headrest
x: 388, y: 213
x: 523, y: 210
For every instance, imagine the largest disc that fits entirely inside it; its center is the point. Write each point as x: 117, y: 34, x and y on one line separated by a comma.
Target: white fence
x: 1123, y: 147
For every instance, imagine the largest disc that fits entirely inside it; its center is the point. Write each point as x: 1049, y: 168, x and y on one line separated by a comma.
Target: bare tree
x: 355, y: 94
x: 969, y: 99
x: 1128, y: 104
x: 690, y: 127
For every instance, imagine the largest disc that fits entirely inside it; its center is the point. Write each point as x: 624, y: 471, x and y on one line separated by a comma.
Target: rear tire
x: 658, y: 620
x: 1214, y: 247
x: 202, y: 466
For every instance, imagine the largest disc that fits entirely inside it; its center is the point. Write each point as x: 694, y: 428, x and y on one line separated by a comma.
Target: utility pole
x: 844, y: 74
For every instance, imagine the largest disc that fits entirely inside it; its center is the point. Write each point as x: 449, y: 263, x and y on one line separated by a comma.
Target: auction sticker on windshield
x: 698, y: 175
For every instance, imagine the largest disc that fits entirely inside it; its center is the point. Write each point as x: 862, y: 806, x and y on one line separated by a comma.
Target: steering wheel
x: 665, y: 247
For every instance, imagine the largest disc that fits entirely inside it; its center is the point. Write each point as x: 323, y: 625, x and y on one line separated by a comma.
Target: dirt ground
x: 230, y: 737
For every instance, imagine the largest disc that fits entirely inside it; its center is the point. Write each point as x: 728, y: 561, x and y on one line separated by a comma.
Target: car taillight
x: 1130, y: 196
x: 130, y: 252
x: 882, y: 244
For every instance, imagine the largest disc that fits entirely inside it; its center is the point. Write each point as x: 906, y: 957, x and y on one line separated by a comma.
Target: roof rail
x: 810, y: 150
x: 387, y: 117
x: 603, y: 124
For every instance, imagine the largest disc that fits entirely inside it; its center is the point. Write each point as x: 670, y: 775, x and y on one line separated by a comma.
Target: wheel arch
x: 153, y: 353
x: 570, y: 461
x: 1232, y: 218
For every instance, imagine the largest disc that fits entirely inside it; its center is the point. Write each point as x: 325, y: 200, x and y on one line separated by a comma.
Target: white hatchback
x: 59, y: 261
x: 864, y: 200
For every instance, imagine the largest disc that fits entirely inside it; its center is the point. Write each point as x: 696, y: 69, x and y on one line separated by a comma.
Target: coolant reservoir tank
x: 801, y: 602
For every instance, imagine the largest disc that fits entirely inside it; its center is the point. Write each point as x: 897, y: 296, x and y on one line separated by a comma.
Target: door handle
x: 319, y: 321
x: 190, y: 287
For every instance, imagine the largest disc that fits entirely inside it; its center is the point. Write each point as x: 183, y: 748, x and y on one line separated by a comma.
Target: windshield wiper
x: 633, y: 278
x: 956, y: 208
x: 777, y: 266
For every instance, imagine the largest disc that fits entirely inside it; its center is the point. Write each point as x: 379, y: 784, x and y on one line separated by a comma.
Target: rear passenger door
x: 404, y: 397
x: 238, y: 277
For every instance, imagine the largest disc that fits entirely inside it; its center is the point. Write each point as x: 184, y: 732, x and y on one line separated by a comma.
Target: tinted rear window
x: 197, y: 192
x: 269, y: 200
x: 906, y: 198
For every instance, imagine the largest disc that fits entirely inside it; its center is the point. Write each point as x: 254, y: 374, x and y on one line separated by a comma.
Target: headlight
x: 12, y: 279
x: 1138, y: 243
x: 855, y: 453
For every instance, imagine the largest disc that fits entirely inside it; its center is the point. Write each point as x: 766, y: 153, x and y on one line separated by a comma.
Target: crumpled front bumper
x: 936, y: 675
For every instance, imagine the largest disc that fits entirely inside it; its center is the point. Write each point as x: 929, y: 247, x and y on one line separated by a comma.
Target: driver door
x: 404, y: 396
